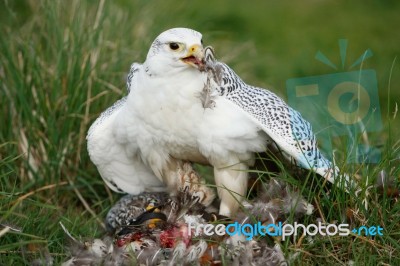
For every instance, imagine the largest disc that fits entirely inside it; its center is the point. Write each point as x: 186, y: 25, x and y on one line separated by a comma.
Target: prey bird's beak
x: 195, y: 56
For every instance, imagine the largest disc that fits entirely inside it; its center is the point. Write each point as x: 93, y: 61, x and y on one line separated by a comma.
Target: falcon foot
x: 191, y: 184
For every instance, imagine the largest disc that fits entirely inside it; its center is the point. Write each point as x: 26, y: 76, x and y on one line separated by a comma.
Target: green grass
x: 63, y: 62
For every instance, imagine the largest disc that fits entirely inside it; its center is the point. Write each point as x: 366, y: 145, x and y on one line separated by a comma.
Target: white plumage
x: 141, y: 142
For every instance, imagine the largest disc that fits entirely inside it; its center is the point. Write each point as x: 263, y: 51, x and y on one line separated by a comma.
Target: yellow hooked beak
x: 195, y: 56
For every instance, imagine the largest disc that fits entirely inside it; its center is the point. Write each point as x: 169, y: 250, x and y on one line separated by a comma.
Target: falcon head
x: 177, y: 48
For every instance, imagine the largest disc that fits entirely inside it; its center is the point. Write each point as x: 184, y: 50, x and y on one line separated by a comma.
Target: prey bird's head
x: 177, y: 48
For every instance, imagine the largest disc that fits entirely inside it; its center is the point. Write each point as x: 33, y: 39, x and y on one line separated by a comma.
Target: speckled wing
x: 287, y: 128
x: 122, y: 170
x: 135, y: 67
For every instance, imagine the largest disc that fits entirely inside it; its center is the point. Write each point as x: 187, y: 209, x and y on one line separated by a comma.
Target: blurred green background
x: 63, y: 62
x: 266, y: 42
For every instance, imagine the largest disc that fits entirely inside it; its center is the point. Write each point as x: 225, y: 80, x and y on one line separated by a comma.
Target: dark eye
x: 174, y: 46
x: 202, y: 42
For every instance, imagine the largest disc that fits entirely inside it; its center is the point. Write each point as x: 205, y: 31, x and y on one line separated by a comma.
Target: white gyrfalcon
x: 142, y: 141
